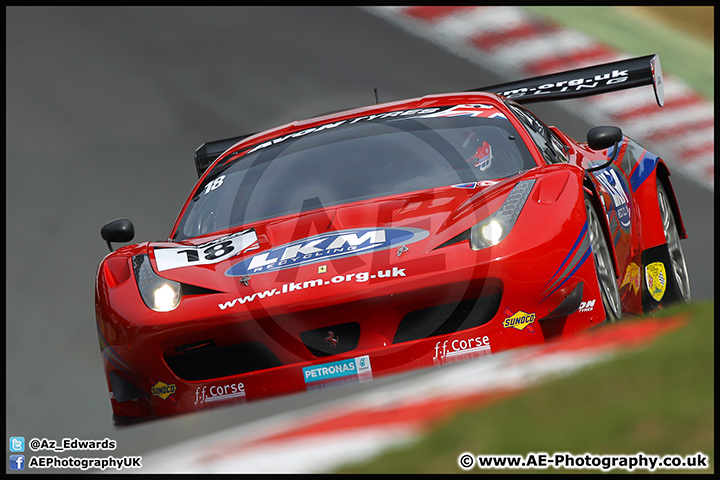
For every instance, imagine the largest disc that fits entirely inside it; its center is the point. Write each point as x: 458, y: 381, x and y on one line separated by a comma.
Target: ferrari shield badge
x: 655, y: 279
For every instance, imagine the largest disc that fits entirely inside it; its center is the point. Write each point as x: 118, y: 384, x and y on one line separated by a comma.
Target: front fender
x: 648, y: 170
x: 599, y: 205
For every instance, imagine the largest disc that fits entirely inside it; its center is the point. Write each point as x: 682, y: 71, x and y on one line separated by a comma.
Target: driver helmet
x: 482, y: 158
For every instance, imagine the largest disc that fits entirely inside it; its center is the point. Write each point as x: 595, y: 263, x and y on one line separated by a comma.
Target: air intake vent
x: 448, y: 318
x: 332, y: 340
x: 216, y: 362
x: 461, y: 237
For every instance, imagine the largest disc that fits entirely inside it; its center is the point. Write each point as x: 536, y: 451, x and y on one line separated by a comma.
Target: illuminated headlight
x: 492, y: 232
x: 487, y: 233
x: 160, y: 294
x: 497, y: 226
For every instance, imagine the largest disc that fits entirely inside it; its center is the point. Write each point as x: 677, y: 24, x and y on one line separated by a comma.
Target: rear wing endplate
x: 208, y: 152
x: 583, y: 82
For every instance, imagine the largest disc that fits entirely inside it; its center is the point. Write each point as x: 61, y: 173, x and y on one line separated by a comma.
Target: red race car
x: 393, y: 237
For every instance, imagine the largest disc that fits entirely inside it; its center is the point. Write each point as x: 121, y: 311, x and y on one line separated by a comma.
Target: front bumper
x: 280, y: 335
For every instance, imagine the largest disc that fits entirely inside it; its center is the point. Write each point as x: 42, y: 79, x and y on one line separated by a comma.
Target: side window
x: 551, y: 147
x: 559, y: 147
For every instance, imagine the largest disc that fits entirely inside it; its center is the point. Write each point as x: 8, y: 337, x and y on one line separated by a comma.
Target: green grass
x: 625, y: 29
x: 657, y: 400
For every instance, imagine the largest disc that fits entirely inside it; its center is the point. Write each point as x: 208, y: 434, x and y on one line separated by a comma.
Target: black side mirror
x: 120, y: 230
x: 600, y: 138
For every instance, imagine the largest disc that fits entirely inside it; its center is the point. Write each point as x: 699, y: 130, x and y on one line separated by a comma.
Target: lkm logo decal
x: 328, y: 246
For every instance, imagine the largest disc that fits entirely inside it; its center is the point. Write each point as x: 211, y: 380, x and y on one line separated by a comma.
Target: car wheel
x: 677, y: 257
x: 604, y: 269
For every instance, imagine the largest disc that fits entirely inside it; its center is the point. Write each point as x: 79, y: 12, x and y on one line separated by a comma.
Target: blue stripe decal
x: 582, y: 260
x: 643, y: 169
x: 572, y: 250
x: 617, y: 237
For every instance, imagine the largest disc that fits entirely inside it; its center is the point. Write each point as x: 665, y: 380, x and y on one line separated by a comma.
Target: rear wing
x: 581, y: 82
x: 208, y: 152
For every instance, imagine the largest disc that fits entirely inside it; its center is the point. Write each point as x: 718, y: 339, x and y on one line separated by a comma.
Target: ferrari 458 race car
x: 387, y: 238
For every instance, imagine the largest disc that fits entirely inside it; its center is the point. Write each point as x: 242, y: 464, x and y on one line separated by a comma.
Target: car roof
x: 427, y: 101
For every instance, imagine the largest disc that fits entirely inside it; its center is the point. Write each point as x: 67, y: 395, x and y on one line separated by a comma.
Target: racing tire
x: 677, y: 257
x: 604, y: 269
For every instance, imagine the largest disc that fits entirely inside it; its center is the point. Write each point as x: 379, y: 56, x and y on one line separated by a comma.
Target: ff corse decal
x: 328, y: 246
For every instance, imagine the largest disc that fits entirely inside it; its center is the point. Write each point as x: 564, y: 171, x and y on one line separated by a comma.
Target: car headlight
x: 497, y: 226
x: 159, y: 294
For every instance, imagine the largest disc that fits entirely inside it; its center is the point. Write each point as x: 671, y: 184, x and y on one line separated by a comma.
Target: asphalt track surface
x: 104, y: 109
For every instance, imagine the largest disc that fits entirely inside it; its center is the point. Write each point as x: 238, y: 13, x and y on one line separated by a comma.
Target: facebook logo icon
x: 17, y: 462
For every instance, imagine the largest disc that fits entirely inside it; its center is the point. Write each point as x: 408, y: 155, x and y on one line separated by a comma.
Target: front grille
x: 332, y: 340
x: 214, y: 362
x: 448, y: 318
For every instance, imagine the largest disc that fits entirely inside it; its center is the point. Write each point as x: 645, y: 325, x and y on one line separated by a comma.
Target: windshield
x: 354, y: 160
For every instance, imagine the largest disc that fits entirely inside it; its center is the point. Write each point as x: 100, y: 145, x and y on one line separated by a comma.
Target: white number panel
x: 207, y: 253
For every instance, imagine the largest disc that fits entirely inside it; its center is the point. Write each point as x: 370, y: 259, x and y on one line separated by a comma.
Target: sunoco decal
x: 519, y: 320
x: 655, y: 279
x: 344, y: 371
x: 328, y: 246
x: 163, y: 390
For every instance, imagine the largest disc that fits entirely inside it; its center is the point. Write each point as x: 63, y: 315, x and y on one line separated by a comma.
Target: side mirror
x: 600, y: 138
x: 120, y: 230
